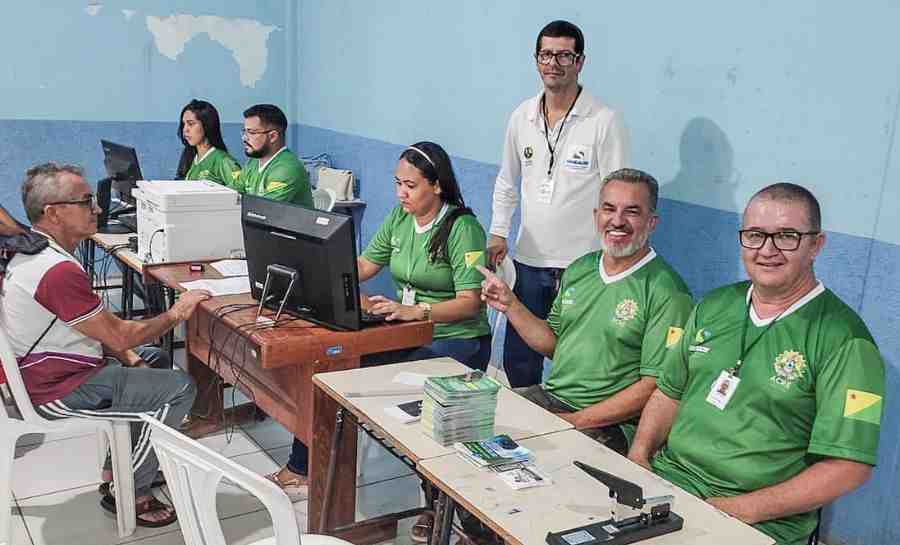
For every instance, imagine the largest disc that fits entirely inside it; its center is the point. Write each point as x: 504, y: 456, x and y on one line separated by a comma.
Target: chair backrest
x: 14, y: 382
x: 193, y: 473
x: 506, y: 271
x: 323, y: 198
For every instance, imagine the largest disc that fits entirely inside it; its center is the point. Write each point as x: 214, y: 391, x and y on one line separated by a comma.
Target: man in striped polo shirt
x: 76, y: 358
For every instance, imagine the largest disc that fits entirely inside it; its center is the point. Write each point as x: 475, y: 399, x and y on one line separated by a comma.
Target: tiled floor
x: 56, y: 502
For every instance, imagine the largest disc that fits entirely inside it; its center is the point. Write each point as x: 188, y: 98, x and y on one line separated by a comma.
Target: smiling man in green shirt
x: 770, y: 406
x: 617, y: 313
x: 273, y: 170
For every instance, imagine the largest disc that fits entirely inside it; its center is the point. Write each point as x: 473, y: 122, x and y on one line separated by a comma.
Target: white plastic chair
x: 193, y: 473
x: 323, y: 198
x: 117, y: 434
x: 506, y: 271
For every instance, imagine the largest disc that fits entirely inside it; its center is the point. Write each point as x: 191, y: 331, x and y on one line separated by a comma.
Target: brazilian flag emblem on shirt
x: 863, y: 406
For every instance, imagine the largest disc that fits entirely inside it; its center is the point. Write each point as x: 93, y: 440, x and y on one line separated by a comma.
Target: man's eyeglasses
x: 254, y: 132
x: 89, y: 201
x: 563, y: 58
x: 783, y: 240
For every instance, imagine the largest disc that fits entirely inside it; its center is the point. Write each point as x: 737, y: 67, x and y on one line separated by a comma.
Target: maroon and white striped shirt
x: 36, y: 289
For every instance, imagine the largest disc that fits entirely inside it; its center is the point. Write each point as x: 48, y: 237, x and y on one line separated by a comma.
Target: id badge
x: 545, y: 191
x: 722, y: 390
x: 409, y: 296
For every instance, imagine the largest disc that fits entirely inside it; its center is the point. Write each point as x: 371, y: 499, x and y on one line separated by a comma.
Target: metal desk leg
x: 127, y: 292
x: 168, y: 299
x: 438, y: 523
x: 332, y: 467
x: 447, y: 523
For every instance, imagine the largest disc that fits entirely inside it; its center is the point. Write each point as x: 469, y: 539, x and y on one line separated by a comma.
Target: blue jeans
x: 536, y: 288
x: 474, y: 353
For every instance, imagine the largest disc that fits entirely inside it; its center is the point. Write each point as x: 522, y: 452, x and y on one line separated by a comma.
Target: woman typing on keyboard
x: 431, y: 242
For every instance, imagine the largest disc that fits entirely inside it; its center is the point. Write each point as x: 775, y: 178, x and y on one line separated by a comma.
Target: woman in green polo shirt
x: 432, y: 243
x: 205, y: 156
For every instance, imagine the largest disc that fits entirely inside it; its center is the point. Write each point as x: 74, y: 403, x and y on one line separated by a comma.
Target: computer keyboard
x: 369, y: 318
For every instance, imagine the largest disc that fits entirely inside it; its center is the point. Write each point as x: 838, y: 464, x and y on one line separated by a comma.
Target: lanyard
x: 562, y: 125
x: 744, y: 351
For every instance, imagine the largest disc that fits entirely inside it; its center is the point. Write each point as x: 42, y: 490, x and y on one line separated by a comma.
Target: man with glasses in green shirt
x: 770, y: 406
x: 273, y: 170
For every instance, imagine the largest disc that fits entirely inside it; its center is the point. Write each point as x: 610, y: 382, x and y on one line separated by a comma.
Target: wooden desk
x: 516, y: 417
x: 275, y: 366
x: 523, y: 517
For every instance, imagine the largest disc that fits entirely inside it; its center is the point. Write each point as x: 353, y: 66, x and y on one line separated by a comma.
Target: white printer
x: 187, y: 221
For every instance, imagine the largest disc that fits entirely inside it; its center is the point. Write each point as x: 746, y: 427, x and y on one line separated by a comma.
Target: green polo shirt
x: 283, y: 178
x: 611, y: 330
x: 217, y: 166
x: 811, y: 387
x: 405, y: 251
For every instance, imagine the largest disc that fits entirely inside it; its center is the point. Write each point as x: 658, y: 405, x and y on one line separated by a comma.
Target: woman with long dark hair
x: 432, y: 243
x: 205, y: 155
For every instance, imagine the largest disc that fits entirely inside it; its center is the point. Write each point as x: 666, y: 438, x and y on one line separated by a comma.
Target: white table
x: 524, y: 517
x: 515, y: 416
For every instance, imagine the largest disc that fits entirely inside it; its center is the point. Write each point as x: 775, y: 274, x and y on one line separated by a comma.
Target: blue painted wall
x: 720, y: 99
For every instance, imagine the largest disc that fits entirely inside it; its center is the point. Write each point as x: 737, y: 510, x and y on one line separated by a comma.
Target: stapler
x: 634, y: 517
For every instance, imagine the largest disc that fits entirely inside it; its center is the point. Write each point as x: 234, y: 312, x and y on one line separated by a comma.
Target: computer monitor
x: 122, y: 169
x: 318, y: 247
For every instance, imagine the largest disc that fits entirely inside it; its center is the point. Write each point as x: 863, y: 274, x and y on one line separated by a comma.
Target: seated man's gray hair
x: 42, y: 186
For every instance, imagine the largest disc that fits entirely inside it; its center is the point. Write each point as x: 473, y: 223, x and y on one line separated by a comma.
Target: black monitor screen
x: 319, y: 246
x: 122, y: 168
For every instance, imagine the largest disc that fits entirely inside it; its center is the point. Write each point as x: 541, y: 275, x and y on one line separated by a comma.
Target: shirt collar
x: 424, y: 228
x: 55, y: 245
x: 262, y: 166
x: 584, y: 105
x: 198, y: 159
x: 759, y: 322
x: 609, y: 279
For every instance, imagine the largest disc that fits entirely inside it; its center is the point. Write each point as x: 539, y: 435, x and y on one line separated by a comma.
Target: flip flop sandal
x: 295, y: 488
x: 421, y: 530
x: 105, y: 488
x: 147, y: 506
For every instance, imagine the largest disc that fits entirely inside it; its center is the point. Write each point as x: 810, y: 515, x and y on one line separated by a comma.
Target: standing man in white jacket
x: 559, y: 145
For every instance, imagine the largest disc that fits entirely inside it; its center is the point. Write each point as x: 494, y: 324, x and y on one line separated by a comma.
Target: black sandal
x: 159, y: 480
x: 147, y: 506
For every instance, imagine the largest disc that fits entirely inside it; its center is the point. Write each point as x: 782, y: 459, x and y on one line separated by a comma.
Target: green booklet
x: 497, y: 450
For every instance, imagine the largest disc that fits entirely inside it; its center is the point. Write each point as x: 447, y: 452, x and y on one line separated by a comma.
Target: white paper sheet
x: 410, y: 379
x: 224, y: 286
x: 231, y: 267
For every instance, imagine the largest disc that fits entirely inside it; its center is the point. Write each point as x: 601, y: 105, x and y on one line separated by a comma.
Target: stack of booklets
x: 459, y: 408
x: 496, y: 451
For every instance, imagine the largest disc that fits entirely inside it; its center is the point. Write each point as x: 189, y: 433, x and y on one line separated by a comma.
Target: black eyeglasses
x: 89, y: 201
x: 783, y: 240
x: 563, y: 58
x: 254, y: 132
